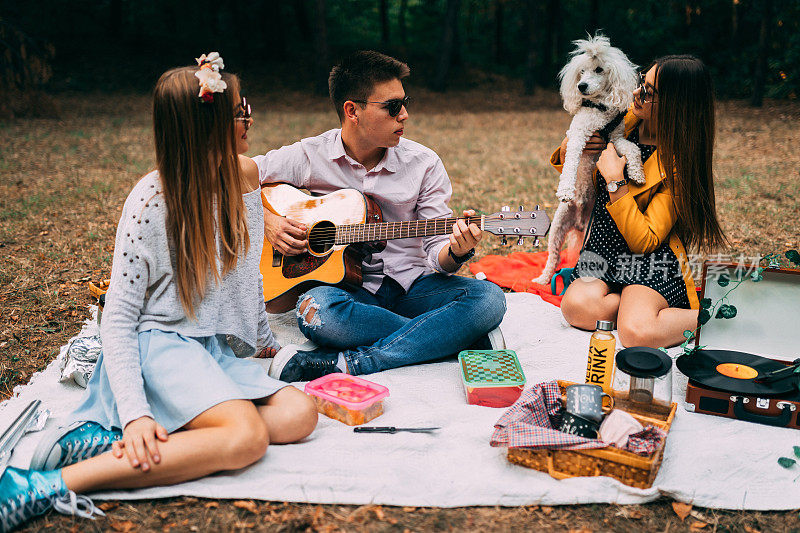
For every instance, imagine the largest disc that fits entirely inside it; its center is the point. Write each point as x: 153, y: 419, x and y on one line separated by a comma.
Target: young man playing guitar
x: 410, y: 309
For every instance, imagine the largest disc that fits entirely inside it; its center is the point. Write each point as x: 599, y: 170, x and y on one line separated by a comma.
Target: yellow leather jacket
x: 646, y: 214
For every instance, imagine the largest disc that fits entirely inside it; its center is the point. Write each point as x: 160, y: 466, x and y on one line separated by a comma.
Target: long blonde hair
x: 199, y: 171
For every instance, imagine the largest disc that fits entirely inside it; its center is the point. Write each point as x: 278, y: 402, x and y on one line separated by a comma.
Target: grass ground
x: 62, y: 184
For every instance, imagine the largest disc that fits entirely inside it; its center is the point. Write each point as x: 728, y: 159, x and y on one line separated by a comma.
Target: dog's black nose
x: 582, y: 87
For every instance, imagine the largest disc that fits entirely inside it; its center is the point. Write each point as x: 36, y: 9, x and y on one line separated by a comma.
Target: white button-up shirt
x: 409, y: 183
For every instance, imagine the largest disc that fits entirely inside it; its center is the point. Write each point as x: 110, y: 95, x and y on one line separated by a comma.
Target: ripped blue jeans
x: 439, y: 316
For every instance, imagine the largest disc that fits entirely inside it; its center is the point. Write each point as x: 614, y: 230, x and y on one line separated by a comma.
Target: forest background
x: 752, y: 46
x: 76, y: 134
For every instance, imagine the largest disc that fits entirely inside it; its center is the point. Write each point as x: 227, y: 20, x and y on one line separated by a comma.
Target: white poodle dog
x: 597, y: 87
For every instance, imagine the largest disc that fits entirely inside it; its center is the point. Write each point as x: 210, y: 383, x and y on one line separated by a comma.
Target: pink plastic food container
x: 347, y: 398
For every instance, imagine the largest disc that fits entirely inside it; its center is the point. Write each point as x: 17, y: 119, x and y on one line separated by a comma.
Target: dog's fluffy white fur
x: 601, y: 75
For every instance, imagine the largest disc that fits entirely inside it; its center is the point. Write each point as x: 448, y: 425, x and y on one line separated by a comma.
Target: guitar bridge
x: 277, y: 258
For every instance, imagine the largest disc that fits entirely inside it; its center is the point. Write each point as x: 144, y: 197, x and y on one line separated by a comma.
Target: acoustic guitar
x: 346, y: 224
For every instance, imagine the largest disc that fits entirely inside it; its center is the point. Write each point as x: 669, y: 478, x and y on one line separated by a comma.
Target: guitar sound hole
x: 322, y: 237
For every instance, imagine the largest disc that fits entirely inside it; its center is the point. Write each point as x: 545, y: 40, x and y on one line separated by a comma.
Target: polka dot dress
x: 606, y: 255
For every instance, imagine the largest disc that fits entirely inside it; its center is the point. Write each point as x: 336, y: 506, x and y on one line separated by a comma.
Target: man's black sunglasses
x: 393, y: 106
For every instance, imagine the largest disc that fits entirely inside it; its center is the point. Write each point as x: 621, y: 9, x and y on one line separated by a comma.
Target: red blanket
x: 516, y: 271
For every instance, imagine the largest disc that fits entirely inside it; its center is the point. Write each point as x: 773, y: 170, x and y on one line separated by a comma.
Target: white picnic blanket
x: 708, y: 461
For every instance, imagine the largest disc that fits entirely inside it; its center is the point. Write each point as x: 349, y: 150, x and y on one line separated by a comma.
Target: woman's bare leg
x: 646, y: 320
x: 228, y: 436
x: 290, y: 415
x: 588, y: 300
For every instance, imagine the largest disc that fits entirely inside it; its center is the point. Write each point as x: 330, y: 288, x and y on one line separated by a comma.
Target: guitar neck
x: 385, y: 231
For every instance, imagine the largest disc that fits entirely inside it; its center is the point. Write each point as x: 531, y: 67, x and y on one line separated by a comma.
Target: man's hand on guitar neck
x: 462, y: 241
x: 287, y: 236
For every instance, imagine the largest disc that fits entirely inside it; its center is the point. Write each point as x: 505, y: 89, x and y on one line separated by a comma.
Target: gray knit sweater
x: 143, y: 294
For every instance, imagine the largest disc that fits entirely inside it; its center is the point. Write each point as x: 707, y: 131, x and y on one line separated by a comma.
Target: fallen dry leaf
x: 248, y: 505
x: 697, y: 524
x: 409, y: 509
x: 682, y: 509
x: 547, y: 510
x: 108, y: 506
x: 701, y: 517
x: 583, y: 530
x: 122, y: 526
x: 751, y: 529
x: 379, y: 513
x: 631, y: 514
x: 212, y: 505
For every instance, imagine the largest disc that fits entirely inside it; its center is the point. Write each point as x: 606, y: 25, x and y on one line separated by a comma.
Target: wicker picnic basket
x: 629, y: 468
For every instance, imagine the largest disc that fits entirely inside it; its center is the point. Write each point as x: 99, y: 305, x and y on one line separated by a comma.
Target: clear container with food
x: 347, y: 398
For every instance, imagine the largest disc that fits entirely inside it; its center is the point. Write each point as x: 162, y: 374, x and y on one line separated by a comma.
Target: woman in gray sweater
x: 169, y: 401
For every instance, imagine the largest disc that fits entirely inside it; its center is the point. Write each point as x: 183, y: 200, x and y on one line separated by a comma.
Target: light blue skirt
x: 183, y: 377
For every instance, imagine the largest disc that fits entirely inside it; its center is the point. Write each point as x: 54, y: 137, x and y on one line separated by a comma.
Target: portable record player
x: 746, y: 368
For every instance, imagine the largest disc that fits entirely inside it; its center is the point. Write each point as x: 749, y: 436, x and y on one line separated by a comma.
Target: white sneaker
x: 281, y: 358
x: 496, y: 339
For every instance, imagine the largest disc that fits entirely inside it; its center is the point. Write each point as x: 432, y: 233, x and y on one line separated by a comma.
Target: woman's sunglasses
x: 243, y: 113
x: 646, y: 95
x: 393, y: 107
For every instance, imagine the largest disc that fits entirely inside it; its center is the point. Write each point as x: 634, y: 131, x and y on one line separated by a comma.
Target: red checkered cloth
x: 530, y: 422
x: 646, y: 441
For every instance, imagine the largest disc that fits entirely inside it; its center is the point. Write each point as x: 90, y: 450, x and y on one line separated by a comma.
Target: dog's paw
x: 565, y: 194
x: 542, y: 280
x: 636, y: 175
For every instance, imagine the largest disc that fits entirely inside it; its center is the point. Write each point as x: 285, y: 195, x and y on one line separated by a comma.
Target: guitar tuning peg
x: 521, y: 207
x: 505, y: 208
x: 537, y: 207
x: 503, y: 241
x: 536, y: 242
x: 520, y: 242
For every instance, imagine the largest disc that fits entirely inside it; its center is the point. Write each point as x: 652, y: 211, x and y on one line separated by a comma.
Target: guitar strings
x: 375, y: 227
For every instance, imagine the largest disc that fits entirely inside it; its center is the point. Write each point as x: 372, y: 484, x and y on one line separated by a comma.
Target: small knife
x: 392, y: 429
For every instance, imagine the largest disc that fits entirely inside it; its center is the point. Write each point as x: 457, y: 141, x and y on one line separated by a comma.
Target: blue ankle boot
x: 69, y: 444
x: 25, y: 494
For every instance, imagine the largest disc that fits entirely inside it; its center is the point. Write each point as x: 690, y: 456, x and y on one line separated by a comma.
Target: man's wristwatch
x: 612, y: 186
x: 462, y: 259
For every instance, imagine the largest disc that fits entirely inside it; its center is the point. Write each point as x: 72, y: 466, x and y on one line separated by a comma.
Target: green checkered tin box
x: 492, y: 378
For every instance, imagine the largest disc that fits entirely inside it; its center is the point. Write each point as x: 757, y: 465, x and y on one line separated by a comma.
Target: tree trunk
x: 529, y: 82
x: 321, y: 66
x: 760, y: 72
x: 384, y: 11
x: 273, y: 37
x: 497, y: 49
x: 552, y: 36
x: 447, y: 45
x: 594, y: 17
x: 115, y: 20
x: 401, y: 22
x: 301, y: 17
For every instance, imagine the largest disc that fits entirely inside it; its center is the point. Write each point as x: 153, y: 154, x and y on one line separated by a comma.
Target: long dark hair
x: 199, y: 171
x: 685, y: 137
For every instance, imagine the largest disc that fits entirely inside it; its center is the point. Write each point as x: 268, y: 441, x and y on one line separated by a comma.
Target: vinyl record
x: 733, y: 372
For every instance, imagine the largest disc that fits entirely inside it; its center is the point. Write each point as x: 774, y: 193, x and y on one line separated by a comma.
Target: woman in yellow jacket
x: 633, y: 268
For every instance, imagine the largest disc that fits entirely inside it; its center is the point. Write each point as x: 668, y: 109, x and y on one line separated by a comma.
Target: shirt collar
x: 388, y: 162
x: 336, y: 150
